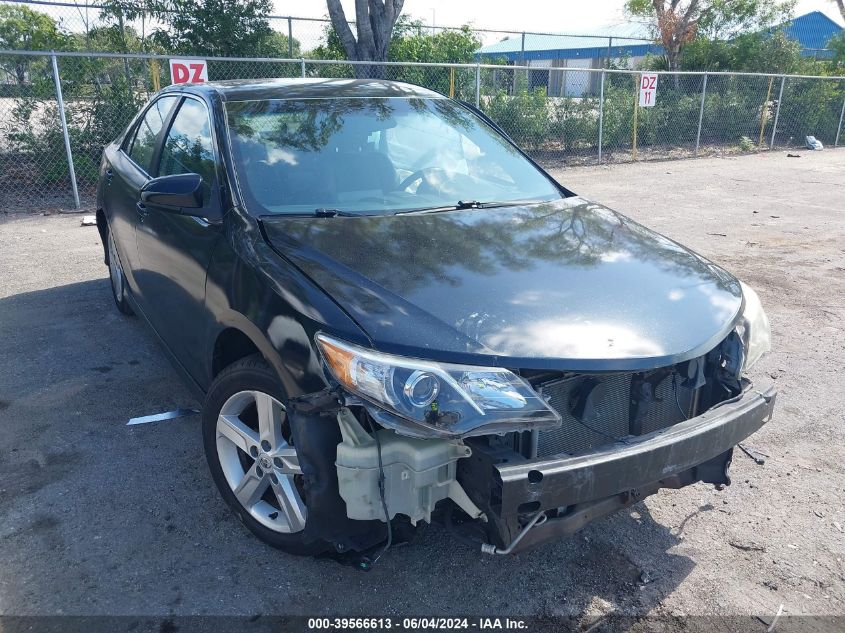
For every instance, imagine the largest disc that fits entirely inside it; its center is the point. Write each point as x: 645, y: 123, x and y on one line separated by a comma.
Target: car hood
x: 567, y: 284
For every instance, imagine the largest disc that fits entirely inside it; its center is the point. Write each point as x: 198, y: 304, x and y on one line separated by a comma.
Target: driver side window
x: 188, y: 148
x: 143, y: 143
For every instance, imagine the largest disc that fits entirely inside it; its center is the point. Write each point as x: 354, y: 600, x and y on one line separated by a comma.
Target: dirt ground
x: 100, y: 518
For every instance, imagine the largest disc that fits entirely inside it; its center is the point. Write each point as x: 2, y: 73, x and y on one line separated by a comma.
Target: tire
x: 251, y: 460
x: 119, y: 291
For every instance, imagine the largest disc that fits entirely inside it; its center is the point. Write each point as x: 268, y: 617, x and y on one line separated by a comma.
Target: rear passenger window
x: 188, y: 148
x: 143, y: 145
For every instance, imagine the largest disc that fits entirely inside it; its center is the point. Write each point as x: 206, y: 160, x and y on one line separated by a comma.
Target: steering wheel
x: 420, y: 174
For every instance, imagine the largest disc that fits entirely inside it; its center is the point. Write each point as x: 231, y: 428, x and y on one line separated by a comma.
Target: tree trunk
x: 673, y: 57
x: 374, y: 21
x: 677, y: 28
x: 20, y: 72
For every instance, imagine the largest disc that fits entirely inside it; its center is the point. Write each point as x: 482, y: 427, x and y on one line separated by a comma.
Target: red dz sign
x: 648, y: 90
x: 188, y: 71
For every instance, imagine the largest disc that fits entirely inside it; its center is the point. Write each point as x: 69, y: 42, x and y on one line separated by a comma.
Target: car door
x: 174, y: 249
x: 127, y: 169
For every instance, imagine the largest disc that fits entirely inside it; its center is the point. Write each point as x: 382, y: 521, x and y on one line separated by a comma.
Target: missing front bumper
x: 594, y: 484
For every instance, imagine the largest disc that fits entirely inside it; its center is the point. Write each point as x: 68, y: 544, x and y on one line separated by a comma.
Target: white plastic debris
x: 775, y: 621
x: 813, y: 143
x: 89, y: 220
x: 161, y: 417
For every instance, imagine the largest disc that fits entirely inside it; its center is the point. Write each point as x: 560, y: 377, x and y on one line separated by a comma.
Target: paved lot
x: 100, y: 518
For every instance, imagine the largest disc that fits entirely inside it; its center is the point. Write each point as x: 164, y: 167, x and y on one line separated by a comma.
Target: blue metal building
x: 813, y: 31
x: 560, y: 59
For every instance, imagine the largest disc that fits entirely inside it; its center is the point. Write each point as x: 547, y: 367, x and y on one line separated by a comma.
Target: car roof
x: 308, y: 88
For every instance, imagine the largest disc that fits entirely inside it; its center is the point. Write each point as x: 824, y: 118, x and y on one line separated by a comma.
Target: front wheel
x: 250, y: 452
x: 117, y: 278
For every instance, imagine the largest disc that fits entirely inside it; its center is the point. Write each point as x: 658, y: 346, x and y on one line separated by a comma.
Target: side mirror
x: 180, y: 191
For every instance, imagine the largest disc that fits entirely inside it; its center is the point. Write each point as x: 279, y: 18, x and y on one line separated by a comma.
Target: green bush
x: 525, y: 117
x: 618, y: 113
x: 575, y: 123
x: 810, y: 107
x: 746, y: 144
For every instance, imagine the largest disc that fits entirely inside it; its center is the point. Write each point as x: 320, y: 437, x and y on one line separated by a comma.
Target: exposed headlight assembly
x: 436, y: 399
x: 754, y: 328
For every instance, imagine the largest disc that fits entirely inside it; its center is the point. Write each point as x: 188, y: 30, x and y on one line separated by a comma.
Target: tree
x: 22, y: 28
x: 676, y: 25
x: 223, y: 28
x: 118, y: 36
x: 109, y: 38
x: 374, y: 22
x: 748, y: 52
x: 837, y: 45
x: 841, y: 5
x: 279, y: 45
x: 678, y: 22
x: 413, y: 42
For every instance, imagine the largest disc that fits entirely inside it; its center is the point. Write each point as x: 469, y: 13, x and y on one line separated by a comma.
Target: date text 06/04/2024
x: 420, y: 623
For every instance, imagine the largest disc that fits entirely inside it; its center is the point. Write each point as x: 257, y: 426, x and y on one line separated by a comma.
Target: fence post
x: 61, y: 104
x: 155, y: 75
x: 601, y: 112
x: 522, y: 51
x: 777, y: 113
x: 302, y: 63
x: 701, y: 113
x: 125, y: 49
x: 764, y: 111
x: 290, y: 38
x: 522, y: 55
x: 478, y: 85
x: 839, y: 129
x: 638, y: 80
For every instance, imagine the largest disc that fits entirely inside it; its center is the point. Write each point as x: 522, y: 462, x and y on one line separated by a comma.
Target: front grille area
x: 596, y: 411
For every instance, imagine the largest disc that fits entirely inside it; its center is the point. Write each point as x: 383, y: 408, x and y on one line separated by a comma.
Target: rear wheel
x: 118, y: 280
x: 252, y: 459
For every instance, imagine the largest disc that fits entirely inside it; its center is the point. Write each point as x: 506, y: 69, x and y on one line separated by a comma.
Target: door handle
x: 142, y: 210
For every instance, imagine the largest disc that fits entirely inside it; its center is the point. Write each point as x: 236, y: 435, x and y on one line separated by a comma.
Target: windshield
x: 374, y: 155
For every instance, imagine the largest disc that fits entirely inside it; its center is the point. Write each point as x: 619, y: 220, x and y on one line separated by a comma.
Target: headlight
x: 453, y: 398
x: 754, y: 328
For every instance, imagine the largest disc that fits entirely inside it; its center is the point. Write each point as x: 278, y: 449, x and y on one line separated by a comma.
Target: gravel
x: 101, y: 518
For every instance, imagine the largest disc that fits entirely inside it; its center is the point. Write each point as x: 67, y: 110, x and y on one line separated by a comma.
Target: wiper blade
x: 331, y: 213
x: 508, y: 203
x: 462, y: 204
x: 316, y: 213
x: 471, y: 204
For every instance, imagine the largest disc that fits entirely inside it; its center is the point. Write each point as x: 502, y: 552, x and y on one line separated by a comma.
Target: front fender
x: 251, y: 288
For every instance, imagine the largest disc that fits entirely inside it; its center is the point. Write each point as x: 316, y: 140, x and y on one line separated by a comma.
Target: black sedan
x: 393, y: 315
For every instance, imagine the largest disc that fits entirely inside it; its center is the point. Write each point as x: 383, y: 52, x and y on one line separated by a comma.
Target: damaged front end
x: 525, y: 456
x: 358, y: 481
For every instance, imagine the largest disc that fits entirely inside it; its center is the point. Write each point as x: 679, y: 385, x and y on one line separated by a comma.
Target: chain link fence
x: 559, y: 116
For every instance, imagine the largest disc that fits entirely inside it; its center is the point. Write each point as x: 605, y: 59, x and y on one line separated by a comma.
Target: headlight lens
x: 754, y: 329
x: 454, y: 397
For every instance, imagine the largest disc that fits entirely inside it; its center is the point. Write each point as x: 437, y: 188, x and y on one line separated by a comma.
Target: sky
x: 557, y: 16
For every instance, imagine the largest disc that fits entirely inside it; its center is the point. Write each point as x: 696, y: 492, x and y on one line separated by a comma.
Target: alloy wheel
x: 259, y: 462
x: 115, y: 271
